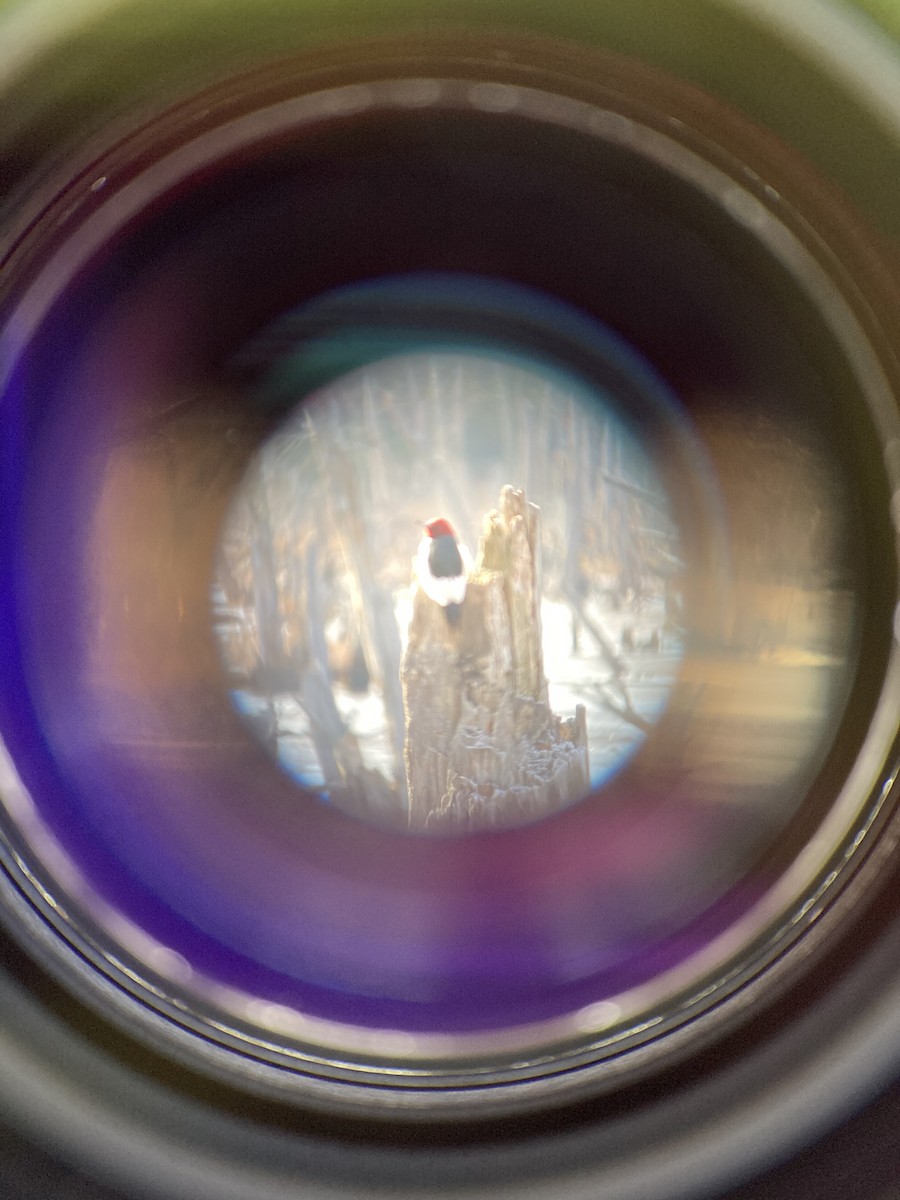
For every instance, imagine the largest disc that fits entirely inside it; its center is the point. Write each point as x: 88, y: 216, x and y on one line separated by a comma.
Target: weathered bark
x: 511, y: 545
x: 372, y: 600
x: 273, y: 668
x: 353, y: 786
x: 483, y: 750
x: 375, y: 608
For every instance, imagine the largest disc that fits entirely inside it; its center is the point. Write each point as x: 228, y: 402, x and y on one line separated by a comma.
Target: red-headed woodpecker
x: 443, y: 566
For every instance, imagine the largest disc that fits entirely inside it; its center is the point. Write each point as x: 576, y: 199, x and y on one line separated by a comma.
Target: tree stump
x: 482, y: 748
x: 353, y: 786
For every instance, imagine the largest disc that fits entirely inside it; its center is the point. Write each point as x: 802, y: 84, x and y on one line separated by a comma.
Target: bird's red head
x: 438, y: 527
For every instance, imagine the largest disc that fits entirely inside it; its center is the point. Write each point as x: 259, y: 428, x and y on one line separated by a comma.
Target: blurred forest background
x: 312, y: 592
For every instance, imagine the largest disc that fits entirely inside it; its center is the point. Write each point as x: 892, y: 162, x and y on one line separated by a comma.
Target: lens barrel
x: 270, y: 298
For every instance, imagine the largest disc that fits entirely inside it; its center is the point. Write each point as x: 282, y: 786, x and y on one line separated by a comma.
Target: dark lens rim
x: 770, y: 1085
x: 760, y: 200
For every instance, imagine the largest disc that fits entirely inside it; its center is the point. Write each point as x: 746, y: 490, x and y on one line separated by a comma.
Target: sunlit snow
x: 573, y: 678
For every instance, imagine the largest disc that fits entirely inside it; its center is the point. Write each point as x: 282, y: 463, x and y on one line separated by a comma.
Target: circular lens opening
x: 159, y: 348
x: 553, y: 654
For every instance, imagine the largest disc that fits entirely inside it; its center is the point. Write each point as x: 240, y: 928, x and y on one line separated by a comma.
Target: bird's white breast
x: 447, y: 589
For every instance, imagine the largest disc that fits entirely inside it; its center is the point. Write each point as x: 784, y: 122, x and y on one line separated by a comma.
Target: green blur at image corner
x: 886, y: 12
x: 71, y: 69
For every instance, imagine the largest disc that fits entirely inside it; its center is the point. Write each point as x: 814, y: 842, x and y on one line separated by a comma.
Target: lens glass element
x: 263, y: 359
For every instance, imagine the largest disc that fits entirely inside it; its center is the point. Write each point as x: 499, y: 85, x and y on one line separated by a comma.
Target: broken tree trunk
x: 354, y: 787
x: 483, y: 750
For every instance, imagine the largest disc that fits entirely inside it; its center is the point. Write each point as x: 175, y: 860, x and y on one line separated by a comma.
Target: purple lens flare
x: 172, y: 834
x: 234, y: 867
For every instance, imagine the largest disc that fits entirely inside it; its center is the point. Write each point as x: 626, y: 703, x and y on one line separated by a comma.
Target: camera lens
x: 285, y: 800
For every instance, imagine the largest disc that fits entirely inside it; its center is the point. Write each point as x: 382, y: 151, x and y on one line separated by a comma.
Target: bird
x: 442, y: 567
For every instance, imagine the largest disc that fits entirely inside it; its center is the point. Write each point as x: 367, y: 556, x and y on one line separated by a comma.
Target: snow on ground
x: 296, y: 752
x: 573, y: 678
x: 578, y: 678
